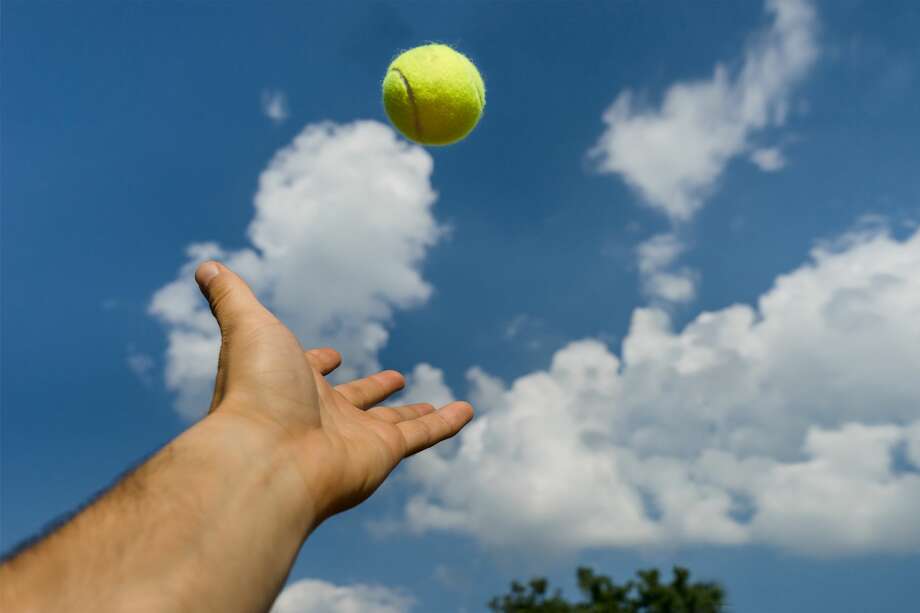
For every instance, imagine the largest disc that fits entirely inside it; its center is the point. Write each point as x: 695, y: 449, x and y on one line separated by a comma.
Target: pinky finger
x: 423, y: 432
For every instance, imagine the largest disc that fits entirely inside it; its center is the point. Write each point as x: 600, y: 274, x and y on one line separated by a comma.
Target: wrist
x: 265, y: 450
x: 229, y: 510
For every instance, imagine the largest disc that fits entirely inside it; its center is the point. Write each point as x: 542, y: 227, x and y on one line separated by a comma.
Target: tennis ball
x: 433, y: 94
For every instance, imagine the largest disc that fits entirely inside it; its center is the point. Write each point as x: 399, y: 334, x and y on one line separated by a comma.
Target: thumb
x: 232, y: 301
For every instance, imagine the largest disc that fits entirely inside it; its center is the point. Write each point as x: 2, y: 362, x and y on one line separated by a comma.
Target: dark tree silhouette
x: 646, y: 594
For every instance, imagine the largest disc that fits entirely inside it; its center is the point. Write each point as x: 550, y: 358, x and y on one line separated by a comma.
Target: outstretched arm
x: 214, y: 520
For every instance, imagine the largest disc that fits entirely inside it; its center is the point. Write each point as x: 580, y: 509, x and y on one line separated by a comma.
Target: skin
x: 214, y: 520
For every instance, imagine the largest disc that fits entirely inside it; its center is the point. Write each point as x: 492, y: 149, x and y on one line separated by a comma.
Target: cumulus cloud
x: 660, y: 280
x: 794, y: 422
x: 426, y: 384
x: 274, y: 105
x: 314, y: 596
x: 673, y: 155
x: 768, y: 159
x: 343, y: 219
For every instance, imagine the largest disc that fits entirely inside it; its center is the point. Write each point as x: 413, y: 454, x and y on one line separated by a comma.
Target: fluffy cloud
x: 768, y: 159
x: 426, y: 384
x: 673, y: 155
x: 274, y: 105
x: 314, y: 596
x: 660, y: 281
x: 795, y: 423
x: 342, y: 222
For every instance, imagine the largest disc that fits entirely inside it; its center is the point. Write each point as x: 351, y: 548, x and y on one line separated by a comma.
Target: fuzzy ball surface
x: 433, y: 94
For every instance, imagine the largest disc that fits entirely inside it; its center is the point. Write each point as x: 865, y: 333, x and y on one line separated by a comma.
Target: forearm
x: 211, y: 523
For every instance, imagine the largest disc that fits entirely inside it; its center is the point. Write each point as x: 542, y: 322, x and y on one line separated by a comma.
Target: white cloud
x: 659, y: 252
x: 426, y: 384
x: 342, y: 223
x: 848, y: 471
x: 314, y: 596
x: 274, y: 105
x: 675, y: 286
x: 674, y: 154
x: 660, y: 281
x: 768, y: 159
x: 775, y: 424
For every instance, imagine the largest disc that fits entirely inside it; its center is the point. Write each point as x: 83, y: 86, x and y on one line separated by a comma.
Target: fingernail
x: 205, y: 273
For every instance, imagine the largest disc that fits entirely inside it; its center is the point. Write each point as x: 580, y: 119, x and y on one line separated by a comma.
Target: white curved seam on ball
x: 415, y: 114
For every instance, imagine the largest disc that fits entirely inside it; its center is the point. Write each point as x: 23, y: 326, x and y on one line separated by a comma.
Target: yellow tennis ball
x: 433, y: 94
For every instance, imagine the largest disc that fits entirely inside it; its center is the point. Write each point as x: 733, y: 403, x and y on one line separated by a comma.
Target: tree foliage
x: 645, y: 594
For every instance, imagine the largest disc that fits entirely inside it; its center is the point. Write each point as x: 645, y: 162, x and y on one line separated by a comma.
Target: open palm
x: 340, y: 439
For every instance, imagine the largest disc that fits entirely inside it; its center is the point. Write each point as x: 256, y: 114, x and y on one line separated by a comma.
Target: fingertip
x: 396, y: 377
x: 331, y: 354
x: 205, y: 273
x: 468, y: 407
x: 462, y: 409
x: 324, y: 359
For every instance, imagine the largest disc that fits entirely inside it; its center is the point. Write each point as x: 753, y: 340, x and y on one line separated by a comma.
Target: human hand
x: 340, y: 443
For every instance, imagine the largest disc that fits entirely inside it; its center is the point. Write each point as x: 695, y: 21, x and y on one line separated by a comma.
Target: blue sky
x: 693, y: 284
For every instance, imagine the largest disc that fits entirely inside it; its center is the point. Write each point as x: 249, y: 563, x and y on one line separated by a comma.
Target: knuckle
x: 426, y: 430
